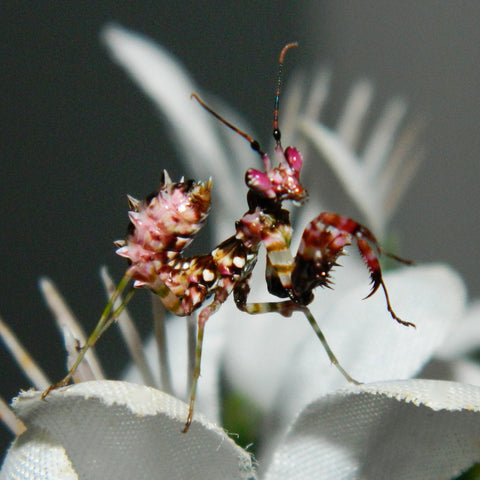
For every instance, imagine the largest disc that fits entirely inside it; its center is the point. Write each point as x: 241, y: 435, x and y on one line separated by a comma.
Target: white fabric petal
x: 112, y: 430
x: 397, y: 430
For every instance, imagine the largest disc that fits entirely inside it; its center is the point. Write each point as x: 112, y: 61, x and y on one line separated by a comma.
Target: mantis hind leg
x: 203, y: 316
x: 318, y: 332
x: 286, y: 308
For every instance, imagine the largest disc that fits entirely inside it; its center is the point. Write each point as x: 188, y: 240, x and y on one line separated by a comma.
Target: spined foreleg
x: 323, y: 242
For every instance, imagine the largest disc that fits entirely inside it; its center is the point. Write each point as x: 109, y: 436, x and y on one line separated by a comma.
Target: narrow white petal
x: 113, y: 430
x: 465, y: 371
x: 346, y: 165
x: 382, y: 139
x: 160, y: 342
x: 71, y: 330
x: 318, y: 95
x: 303, y: 97
x: 9, y: 419
x: 394, y: 184
x: 351, y: 123
x: 84, y: 371
x: 30, y: 368
x: 405, y: 429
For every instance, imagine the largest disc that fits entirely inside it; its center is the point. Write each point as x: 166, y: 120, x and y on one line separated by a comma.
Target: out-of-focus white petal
x: 346, y: 165
x: 465, y: 371
x: 369, y: 344
x: 112, y: 430
x: 383, y: 137
x: 128, y: 330
x: 9, y: 420
x: 168, y: 84
x: 25, y: 361
x: 377, y: 179
x: 352, y: 120
x: 461, y: 370
x: 267, y: 351
x: 465, y: 335
x: 208, y: 395
x: 406, y: 429
x: 260, y: 348
x: 73, y: 334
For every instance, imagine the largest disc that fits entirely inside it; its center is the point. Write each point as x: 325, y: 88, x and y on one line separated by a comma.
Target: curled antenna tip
x: 285, y: 49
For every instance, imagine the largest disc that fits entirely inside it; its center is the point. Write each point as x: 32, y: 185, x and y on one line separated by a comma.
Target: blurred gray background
x: 77, y: 135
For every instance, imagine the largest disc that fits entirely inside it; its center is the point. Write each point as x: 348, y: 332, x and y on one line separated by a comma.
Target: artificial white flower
x: 314, y: 424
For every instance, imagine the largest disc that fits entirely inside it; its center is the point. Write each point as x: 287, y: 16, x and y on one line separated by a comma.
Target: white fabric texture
x: 416, y: 429
x: 113, y: 430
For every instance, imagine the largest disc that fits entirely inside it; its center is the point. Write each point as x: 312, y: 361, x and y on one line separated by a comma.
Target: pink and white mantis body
x: 165, y: 224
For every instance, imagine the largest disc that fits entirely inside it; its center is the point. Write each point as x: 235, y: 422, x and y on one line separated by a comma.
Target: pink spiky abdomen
x: 163, y: 226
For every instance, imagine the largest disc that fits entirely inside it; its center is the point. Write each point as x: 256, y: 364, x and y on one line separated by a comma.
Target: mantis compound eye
x: 294, y: 159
